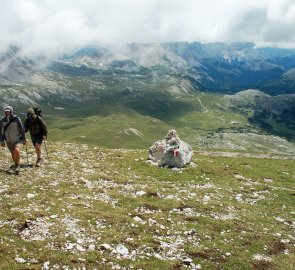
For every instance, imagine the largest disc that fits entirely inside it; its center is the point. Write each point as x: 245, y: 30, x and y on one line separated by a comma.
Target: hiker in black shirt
x: 38, y: 132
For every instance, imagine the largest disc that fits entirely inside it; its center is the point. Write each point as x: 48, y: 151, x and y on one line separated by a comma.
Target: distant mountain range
x: 179, y: 84
x: 217, y: 67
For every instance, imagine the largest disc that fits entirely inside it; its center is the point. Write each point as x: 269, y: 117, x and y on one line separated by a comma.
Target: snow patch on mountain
x: 132, y: 131
x: 290, y: 74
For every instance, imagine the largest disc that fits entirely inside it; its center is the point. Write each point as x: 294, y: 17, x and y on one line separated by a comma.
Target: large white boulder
x: 171, y: 151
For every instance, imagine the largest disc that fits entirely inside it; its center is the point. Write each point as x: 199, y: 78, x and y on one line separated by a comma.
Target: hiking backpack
x: 37, y: 111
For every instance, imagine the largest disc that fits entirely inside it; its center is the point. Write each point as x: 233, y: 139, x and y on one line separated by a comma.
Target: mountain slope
x: 98, y: 208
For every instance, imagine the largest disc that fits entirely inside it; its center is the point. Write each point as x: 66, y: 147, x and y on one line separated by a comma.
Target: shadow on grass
x: 264, y: 121
x: 161, y: 106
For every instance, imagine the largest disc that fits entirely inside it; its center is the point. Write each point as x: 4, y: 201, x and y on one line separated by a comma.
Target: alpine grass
x: 96, y: 208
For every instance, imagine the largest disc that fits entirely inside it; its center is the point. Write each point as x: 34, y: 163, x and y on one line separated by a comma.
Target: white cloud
x: 52, y: 26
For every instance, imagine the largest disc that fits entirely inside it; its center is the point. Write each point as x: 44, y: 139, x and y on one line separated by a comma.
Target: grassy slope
x: 224, y: 213
x: 103, y: 123
x: 108, y: 106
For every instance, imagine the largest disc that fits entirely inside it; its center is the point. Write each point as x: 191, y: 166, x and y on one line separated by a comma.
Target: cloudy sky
x: 54, y: 26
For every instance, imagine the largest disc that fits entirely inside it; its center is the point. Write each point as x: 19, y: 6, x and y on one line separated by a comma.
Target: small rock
x: 122, y: 250
x: 187, y: 261
x: 91, y: 247
x: 158, y: 256
x: 69, y: 246
x: 20, y: 260
x: 46, y: 266
x: 105, y: 247
x: 140, y: 193
x: 129, y: 239
x: 138, y: 219
x: 30, y: 195
x: 80, y: 248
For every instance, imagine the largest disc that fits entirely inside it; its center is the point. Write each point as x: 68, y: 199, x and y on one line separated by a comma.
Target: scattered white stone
x: 36, y: 230
x: 91, y: 247
x: 105, y: 247
x: 239, y: 197
x: 285, y: 241
x: 138, y: 219
x: 122, y: 250
x: 129, y: 239
x: 193, y: 165
x: 80, y: 241
x: 287, y: 252
x: 80, y: 248
x: 30, y: 195
x: 175, y: 169
x: 170, y: 197
x: 279, y: 219
x: 268, y: 180
x: 69, y: 246
x: 46, y: 266
x: 158, y: 256
x: 19, y: 259
x: 140, y: 193
x: 261, y: 257
x: 239, y: 177
x: 3, y: 190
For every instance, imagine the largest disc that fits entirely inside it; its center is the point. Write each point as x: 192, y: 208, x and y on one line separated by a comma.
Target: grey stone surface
x: 171, y: 151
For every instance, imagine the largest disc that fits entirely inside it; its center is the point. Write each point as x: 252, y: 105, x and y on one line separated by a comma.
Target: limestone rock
x: 171, y: 151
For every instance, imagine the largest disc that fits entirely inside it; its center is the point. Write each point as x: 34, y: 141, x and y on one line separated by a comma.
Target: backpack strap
x: 10, y: 121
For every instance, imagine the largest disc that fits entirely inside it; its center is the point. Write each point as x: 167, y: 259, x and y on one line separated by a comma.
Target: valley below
x: 132, y: 97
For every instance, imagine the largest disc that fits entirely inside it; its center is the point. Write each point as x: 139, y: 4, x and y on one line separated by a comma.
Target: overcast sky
x: 53, y: 26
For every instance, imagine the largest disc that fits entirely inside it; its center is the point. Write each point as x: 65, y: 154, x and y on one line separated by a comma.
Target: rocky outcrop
x: 171, y: 151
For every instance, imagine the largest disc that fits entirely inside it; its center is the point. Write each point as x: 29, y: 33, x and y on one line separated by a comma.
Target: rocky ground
x: 92, y: 208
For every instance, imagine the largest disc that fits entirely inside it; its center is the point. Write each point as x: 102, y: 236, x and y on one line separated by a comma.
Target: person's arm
x: 27, y: 125
x: 1, y: 134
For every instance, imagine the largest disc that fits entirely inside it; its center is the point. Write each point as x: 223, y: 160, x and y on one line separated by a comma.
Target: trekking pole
x: 27, y: 154
x: 46, y: 150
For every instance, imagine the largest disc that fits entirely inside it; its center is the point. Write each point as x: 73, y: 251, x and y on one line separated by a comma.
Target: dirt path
x: 240, y: 154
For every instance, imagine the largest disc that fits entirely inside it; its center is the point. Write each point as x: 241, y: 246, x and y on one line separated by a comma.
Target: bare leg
x: 38, y: 150
x: 39, y: 154
x: 16, y: 155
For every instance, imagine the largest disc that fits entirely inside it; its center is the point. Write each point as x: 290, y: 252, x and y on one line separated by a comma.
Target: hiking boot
x: 17, y: 169
x: 11, y: 169
x: 39, y: 162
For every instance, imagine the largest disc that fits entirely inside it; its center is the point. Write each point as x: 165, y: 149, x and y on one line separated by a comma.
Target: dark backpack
x: 37, y: 111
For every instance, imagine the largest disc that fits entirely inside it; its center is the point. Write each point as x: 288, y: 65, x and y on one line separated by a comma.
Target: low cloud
x: 54, y: 26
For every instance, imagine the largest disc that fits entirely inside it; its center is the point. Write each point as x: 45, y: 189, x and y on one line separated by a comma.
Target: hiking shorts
x: 37, y: 139
x: 12, y: 146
